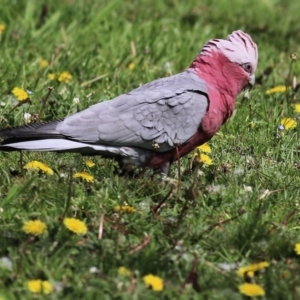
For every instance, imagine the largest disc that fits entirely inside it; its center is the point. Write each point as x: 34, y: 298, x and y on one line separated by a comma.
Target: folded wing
x: 165, y: 112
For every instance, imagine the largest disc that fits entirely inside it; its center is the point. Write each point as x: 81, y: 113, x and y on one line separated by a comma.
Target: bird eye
x: 247, y: 67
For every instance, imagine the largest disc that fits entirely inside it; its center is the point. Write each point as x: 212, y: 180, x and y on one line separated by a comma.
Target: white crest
x: 238, y: 48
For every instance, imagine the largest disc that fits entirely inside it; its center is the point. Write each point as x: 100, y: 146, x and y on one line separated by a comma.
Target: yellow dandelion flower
x: 251, y: 269
x: 20, y: 94
x: 131, y: 66
x: 2, y: 28
x: 34, y: 286
x: 34, y: 227
x: 251, y: 289
x: 90, y: 163
x: 39, y: 286
x: 284, y: 274
x: 51, y: 76
x: 36, y: 165
x: 250, y: 274
x: 75, y: 225
x: 43, y: 63
x: 205, y: 148
x: 124, y: 271
x: 64, y: 77
x: 154, y: 282
x: 297, y: 248
x: 288, y: 123
x: 276, y: 89
x: 205, y: 159
x: 125, y: 208
x: 47, y: 287
x: 296, y: 107
x: 84, y: 175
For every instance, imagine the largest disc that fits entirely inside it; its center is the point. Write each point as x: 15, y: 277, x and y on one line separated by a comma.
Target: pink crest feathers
x: 238, y: 48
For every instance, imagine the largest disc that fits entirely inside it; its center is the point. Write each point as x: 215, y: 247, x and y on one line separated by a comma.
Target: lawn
x: 201, y: 235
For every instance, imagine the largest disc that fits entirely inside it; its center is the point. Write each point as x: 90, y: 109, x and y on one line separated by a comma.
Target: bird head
x: 234, y: 58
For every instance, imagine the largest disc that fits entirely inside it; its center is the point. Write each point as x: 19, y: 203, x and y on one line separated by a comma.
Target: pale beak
x: 250, y: 85
x: 251, y: 80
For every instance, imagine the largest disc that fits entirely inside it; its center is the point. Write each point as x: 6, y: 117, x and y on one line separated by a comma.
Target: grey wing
x: 127, y: 122
x: 146, y: 117
x: 167, y: 122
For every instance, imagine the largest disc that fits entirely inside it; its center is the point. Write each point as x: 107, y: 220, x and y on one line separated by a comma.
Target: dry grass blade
x: 44, y: 101
x: 140, y: 246
x: 93, y: 80
x: 101, y: 223
x: 156, y: 209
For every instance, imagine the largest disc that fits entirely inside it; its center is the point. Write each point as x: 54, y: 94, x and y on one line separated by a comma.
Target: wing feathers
x: 165, y: 111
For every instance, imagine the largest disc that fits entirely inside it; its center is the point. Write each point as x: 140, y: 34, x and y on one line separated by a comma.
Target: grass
x: 242, y: 209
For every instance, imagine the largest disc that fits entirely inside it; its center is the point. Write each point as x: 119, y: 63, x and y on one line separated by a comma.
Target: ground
x: 192, y: 233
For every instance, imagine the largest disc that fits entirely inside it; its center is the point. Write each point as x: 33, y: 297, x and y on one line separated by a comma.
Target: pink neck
x: 220, y: 73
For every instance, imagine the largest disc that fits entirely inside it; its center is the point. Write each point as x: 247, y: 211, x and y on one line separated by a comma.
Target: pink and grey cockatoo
x: 155, y: 124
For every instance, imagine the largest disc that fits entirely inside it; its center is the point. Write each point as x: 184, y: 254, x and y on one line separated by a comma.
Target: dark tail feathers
x: 33, y: 131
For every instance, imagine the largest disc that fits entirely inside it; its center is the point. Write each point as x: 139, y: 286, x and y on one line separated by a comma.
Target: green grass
x: 211, y: 218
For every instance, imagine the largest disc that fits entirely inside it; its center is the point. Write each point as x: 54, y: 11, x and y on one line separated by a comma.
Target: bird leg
x: 163, y: 170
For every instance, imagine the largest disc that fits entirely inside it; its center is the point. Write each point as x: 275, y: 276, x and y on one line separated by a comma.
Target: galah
x: 159, y: 122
